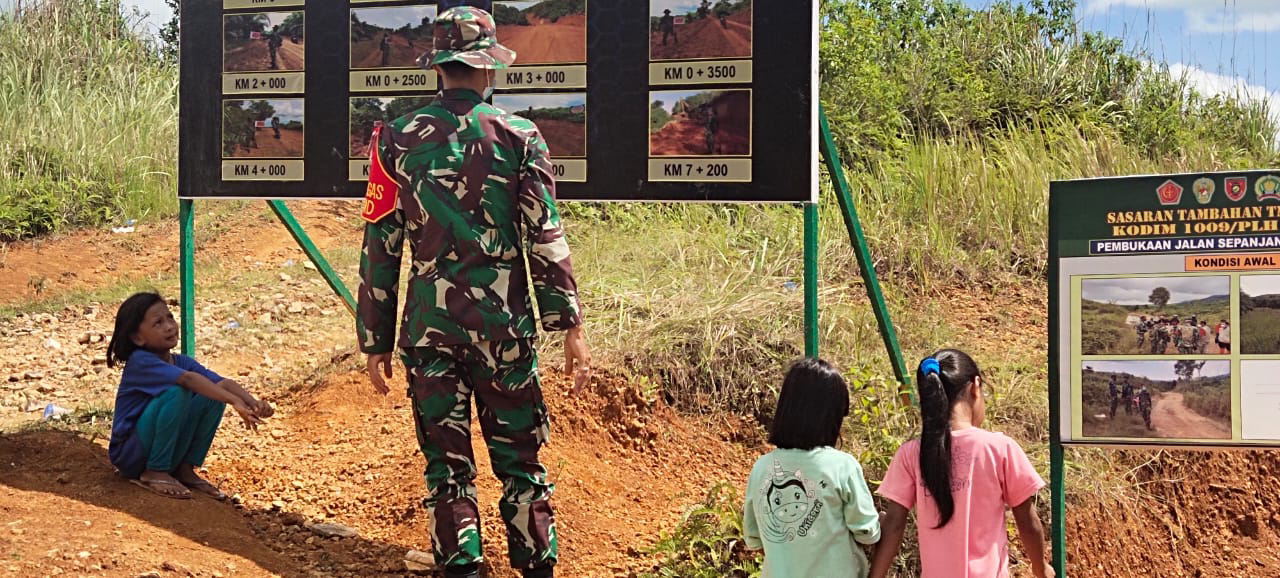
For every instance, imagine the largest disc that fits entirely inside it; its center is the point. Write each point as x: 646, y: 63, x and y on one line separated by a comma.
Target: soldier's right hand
x: 379, y: 365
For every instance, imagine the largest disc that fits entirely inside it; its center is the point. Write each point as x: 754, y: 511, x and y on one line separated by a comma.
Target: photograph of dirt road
x: 263, y: 128
x: 561, y: 118
x: 1155, y: 316
x: 545, y: 31
x: 700, y: 123
x: 1157, y: 399
x: 263, y: 41
x: 1260, y: 314
x: 391, y: 37
x: 699, y: 29
x: 370, y: 112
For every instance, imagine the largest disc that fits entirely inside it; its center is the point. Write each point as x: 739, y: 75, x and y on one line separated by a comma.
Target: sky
x: 677, y: 7
x: 288, y: 109
x: 1220, y: 46
x: 396, y: 16
x: 1137, y: 291
x: 1260, y: 284
x: 1157, y: 370
x: 516, y: 103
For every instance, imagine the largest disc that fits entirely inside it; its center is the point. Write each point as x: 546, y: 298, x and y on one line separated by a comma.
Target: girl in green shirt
x: 807, y: 504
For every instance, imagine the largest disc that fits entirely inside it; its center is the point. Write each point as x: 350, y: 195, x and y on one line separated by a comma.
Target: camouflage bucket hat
x: 467, y: 35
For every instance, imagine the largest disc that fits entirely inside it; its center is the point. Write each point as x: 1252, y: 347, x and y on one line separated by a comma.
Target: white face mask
x: 492, y: 77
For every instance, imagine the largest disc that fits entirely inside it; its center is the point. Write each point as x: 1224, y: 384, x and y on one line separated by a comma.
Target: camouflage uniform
x: 472, y: 187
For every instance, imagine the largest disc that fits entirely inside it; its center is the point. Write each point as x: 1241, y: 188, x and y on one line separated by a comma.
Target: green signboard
x: 1165, y: 310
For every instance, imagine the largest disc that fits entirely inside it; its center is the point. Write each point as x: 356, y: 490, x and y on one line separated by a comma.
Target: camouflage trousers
x: 503, y: 377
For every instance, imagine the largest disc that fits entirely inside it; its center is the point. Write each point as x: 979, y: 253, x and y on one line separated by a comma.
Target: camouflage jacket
x: 474, y: 195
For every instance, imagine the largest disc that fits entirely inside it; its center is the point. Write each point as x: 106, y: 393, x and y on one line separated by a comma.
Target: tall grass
x: 88, y: 119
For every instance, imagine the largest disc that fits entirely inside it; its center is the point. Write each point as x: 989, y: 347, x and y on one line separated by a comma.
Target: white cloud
x: 1260, y: 284
x: 1206, y: 16
x: 1212, y: 83
x: 518, y: 102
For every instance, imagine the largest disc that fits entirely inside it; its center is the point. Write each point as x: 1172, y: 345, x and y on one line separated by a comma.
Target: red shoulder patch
x: 383, y: 192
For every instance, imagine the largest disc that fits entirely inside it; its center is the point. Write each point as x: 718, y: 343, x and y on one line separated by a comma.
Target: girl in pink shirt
x: 959, y: 478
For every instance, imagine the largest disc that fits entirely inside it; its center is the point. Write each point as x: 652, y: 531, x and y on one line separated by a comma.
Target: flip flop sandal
x: 151, y: 486
x: 204, y: 487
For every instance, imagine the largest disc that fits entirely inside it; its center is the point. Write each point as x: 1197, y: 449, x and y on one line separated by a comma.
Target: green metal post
x: 811, y: 279
x: 187, y: 273
x: 330, y: 276
x: 1058, y: 492
x: 859, y: 242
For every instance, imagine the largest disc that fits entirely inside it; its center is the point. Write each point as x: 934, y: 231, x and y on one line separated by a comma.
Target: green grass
x: 88, y: 120
x: 1260, y: 331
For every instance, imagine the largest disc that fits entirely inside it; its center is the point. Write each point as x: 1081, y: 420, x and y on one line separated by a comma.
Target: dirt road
x: 704, y: 39
x: 625, y: 468
x: 546, y: 43
x: 253, y: 56
x: 1171, y: 418
x: 368, y: 53
x: 290, y: 145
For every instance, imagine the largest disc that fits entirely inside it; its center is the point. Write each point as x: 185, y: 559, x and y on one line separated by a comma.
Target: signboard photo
x: 1165, y: 309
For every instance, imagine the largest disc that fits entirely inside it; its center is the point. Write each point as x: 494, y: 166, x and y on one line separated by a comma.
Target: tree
x: 1159, y: 297
x: 169, y: 32
x: 1187, y: 368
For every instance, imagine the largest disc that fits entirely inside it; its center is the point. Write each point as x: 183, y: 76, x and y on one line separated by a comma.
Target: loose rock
x: 330, y: 530
x: 419, y: 561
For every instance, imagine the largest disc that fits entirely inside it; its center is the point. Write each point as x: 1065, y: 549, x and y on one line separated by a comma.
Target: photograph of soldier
x: 1259, y: 316
x: 368, y: 113
x: 1187, y: 399
x: 263, y: 128
x: 1152, y: 315
x: 562, y: 118
x: 699, y: 29
x: 544, y: 31
x: 700, y: 123
x: 475, y: 203
x: 392, y: 37
x: 264, y: 41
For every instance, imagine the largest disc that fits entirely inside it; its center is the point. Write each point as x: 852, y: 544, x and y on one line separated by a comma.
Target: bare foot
x: 186, y: 473
x: 163, y: 484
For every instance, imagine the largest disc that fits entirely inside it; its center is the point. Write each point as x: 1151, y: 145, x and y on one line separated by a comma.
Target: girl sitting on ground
x: 168, y: 406
x: 807, y: 503
x: 959, y: 478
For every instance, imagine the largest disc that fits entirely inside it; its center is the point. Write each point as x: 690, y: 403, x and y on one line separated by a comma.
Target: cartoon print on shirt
x: 791, y: 505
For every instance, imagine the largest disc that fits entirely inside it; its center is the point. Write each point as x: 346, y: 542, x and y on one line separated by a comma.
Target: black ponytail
x: 128, y: 320
x: 942, y: 378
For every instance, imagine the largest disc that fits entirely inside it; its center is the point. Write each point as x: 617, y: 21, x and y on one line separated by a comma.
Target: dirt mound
x: 1207, y: 515
x: 564, y: 138
x: 686, y: 134
x: 705, y: 38
x: 624, y: 467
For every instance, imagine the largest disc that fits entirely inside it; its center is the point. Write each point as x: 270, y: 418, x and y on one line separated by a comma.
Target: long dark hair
x: 811, y: 408
x: 128, y: 319
x: 942, y: 379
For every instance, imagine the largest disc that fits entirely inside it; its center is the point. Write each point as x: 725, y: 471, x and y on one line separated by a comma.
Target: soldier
x: 275, y: 126
x: 722, y: 12
x: 1144, y: 405
x: 710, y: 128
x: 470, y: 187
x: 385, y: 47
x: 1142, y: 328
x: 273, y: 44
x: 1113, y: 389
x: 1127, y: 392
x: 667, y: 24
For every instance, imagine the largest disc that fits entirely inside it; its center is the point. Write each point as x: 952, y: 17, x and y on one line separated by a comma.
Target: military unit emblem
x: 1203, y: 188
x: 1236, y: 187
x: 1268, y: 188
x: 1170, y: 193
